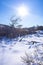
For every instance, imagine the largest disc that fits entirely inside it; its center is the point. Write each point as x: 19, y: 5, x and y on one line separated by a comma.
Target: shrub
x: 35, y: 59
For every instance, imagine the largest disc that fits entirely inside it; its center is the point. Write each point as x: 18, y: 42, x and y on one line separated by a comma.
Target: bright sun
x: 22, y: 11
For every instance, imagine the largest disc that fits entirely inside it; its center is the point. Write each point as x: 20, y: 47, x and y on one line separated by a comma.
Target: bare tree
x: 19, y: 26
x: 14, y: 21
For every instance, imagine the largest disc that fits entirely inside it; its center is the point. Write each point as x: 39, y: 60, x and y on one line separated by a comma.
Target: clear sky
x: 35, y: 7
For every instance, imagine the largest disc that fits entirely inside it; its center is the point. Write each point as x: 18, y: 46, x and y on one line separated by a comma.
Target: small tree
x: 19, y: 26
x: 14, y: 21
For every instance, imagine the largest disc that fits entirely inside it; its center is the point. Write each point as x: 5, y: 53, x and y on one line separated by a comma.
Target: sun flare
x: 22, y: 11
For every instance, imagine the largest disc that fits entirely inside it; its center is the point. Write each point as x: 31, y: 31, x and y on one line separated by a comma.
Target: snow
x: 11, y: 51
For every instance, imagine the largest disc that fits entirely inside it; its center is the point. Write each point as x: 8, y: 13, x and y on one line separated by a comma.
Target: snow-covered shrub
x: 27, y: 59
x: 36, y: 57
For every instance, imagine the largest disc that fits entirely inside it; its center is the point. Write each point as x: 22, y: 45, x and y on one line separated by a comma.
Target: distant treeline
x: 12, y: 32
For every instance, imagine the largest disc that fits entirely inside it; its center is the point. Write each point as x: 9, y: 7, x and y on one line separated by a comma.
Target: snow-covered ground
x: 11, y: 51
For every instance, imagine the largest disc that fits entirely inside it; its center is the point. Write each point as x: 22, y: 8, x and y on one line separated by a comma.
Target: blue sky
x: 35, y: 17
